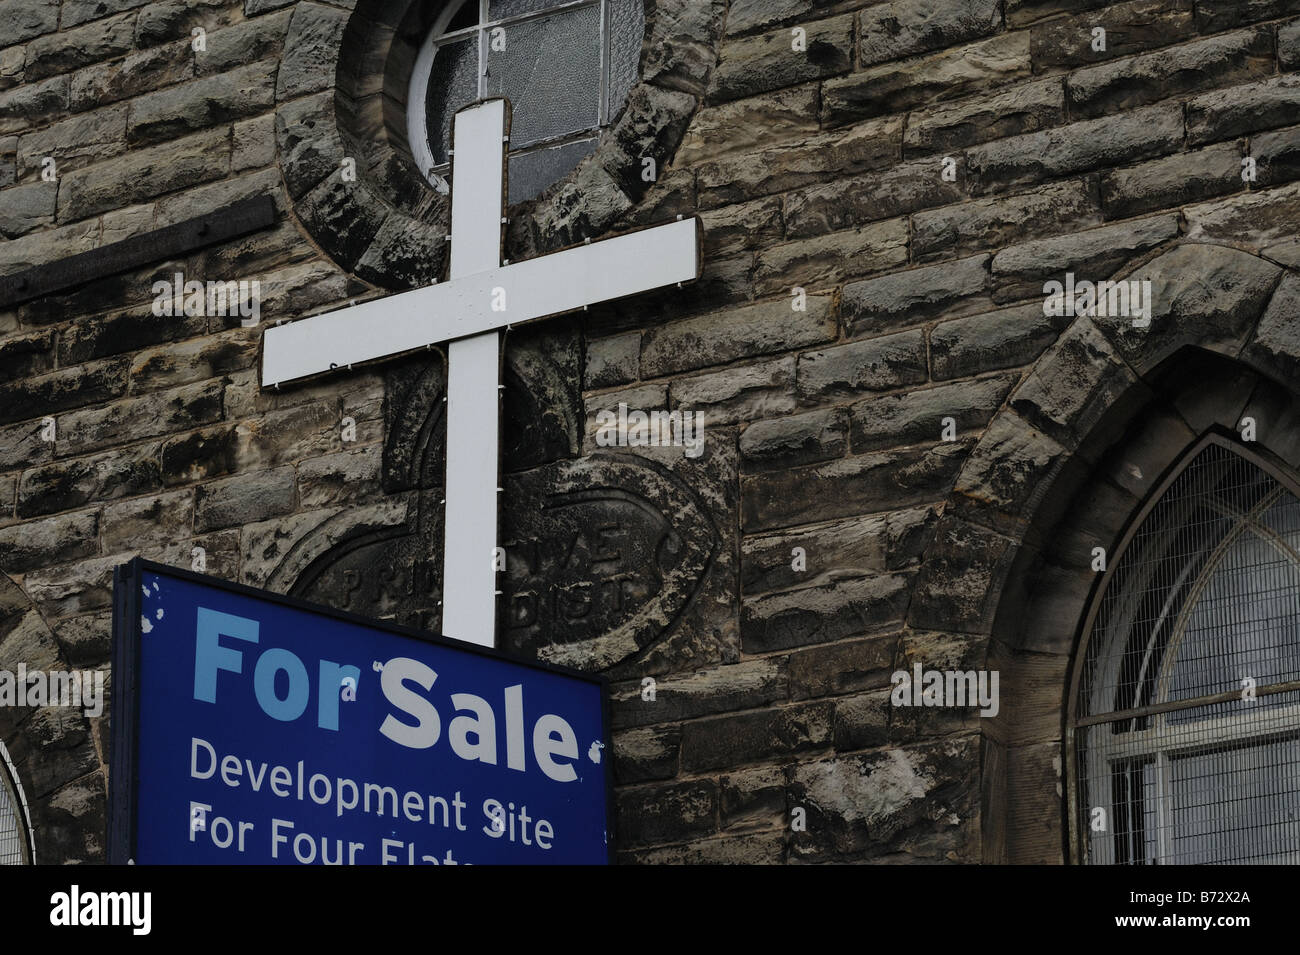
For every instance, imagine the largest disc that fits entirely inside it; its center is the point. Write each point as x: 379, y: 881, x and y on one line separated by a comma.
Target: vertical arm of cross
x: 473, y: 375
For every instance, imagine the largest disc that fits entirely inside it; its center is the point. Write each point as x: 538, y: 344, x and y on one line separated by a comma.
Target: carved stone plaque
x: 605, y: 554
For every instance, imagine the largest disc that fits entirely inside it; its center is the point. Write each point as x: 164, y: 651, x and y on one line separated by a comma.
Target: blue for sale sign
x: 253, y: 729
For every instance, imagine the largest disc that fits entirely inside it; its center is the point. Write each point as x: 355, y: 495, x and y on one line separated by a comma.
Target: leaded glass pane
x: 550, y: 71
x: 627, y: 30
x: 566, y: 68
x: 532, y: 172
x: 452, y: 84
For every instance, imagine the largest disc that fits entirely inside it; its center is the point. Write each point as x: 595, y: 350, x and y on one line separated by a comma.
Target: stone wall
x: 884, y: 189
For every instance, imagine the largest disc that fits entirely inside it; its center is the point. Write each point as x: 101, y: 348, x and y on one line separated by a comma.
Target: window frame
x: 1227, y: 729
x: 13, y: 789
x: 417, y: 120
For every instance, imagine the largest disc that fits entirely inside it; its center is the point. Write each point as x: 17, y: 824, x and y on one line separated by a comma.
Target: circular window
x: 566, y: 68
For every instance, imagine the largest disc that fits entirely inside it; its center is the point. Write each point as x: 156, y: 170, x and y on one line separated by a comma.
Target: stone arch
x: 1079, y: 445
x: 340, y: 94
x: 55, y: 751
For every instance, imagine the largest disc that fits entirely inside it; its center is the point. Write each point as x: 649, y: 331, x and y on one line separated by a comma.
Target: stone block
x: 199, y: 104
x: 1215, y: 15
x: 161, y: 519
x: 903, y: 28
x: 33, y: 104
x: 988, y: 224
x: 26, y: 355
x: 855, y: 547
x: 72, y: 49
x: 144, y: 173
x: 55, y: 540
x: 62, y: 485
x: 646, y: 754
x: 1244, y: 108
x: 1223, y: 60
x: 742, y: 227
x: 1217, y: 312
x: 740, y: 333
x: 839, y: 668
x: 612, y: 360
x: 132, y: 419
x: 917, y: 295
x: 820, y: 614
x: 916, y: 417
x: 798, y: 439
x: 244, y: 499
x: 138, y: 73
x: 48, y: 394
x: 311, y: 47
x: 1092, y: 254
x: 876, y: 364
x: 961, y: 579
x: 76, y: 12
x: 1009, y: 338
x: 23, y: 19
x: 764, y: 848
x: 749, y: 124
x: 351, y: 475
x: 1022, y: 109
x: 244, y: 42
x: 938, y: 77
x: 74, y: 142
x: 733, y: 740
x: 173, y: 19
x: 1133, y: 27
x: 666, y: 813
x: 1171, y: 181
x: 862, y: 483
x: 1076, y: 148
x: 854, y: 201
x: 736, y: 686
x: 827, y: 260
x: 862, y: 722
x: 768, y: 62
x: 741, y: 393
x: 753, y: 799
x: 69, y: 590
x: 185, y: 362
x: 1255, y: 220
x: 748, y: 175
x: 917, y: 803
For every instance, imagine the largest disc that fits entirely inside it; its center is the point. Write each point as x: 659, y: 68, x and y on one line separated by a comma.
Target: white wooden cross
x: 481, y: 297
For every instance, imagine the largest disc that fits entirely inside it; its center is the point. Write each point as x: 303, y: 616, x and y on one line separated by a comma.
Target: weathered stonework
x: 900, y: 442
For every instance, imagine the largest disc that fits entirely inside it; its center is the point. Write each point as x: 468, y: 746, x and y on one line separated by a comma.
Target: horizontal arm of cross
x: 508, y: 295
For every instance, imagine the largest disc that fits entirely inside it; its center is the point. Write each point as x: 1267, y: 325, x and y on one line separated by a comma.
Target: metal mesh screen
x: 1187, y: 724
x: 13, y: 828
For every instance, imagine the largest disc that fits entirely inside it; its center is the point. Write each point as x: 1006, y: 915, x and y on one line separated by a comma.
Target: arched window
x: 565, y: 66
x: 1185, y: 716
x: 15, y: 838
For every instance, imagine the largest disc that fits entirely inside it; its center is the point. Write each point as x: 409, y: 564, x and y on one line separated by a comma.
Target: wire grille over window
x: 14, y: 845
x: 1187, y: 720
x: 1187, y: 717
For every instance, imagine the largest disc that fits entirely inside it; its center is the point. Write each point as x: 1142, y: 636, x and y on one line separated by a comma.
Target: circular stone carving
x: 340, y: 128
